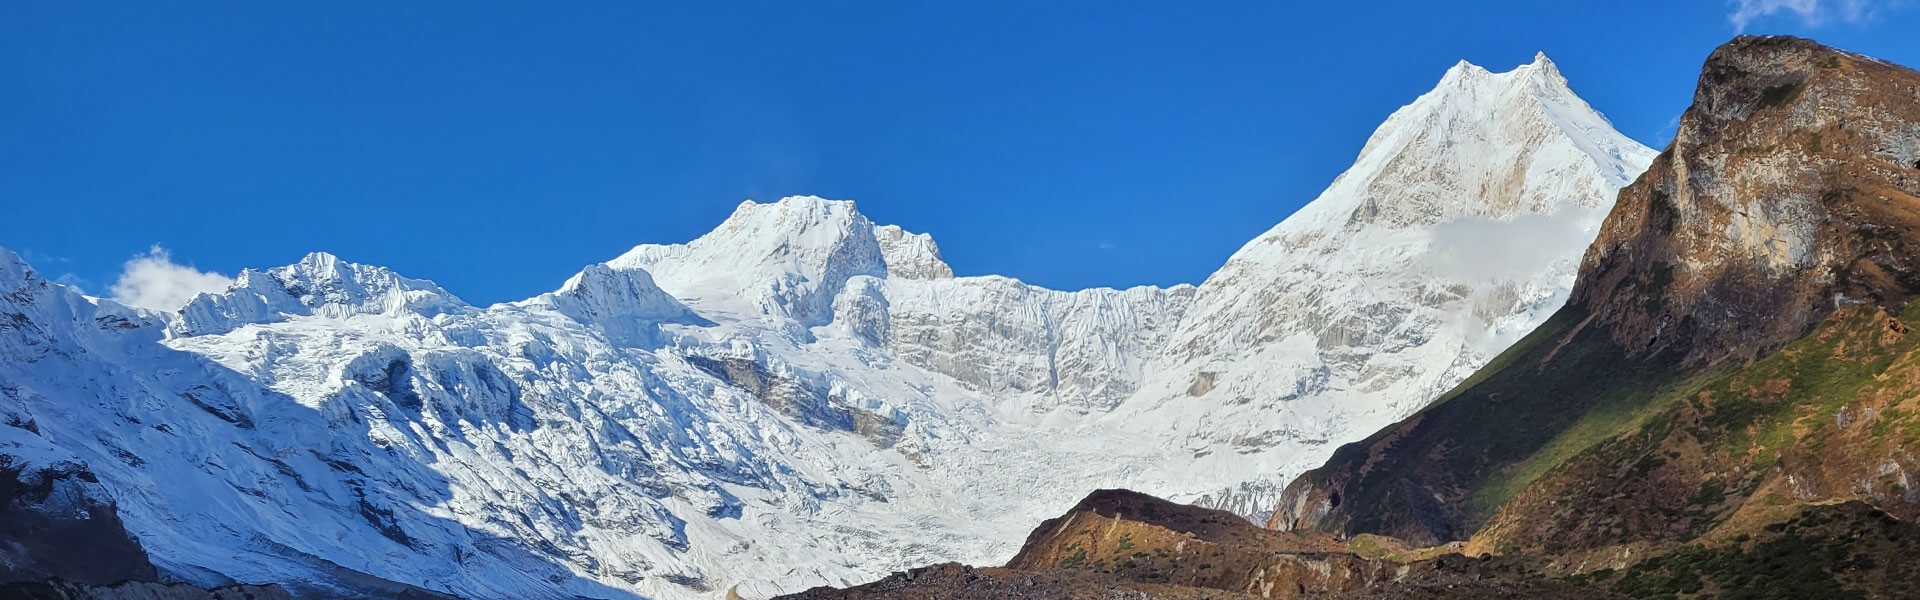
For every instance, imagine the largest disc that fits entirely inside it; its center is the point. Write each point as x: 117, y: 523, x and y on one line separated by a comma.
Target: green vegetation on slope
x: 1796, y: 396
x: 1560, y: 390
x: 1833, y: 551
x: 1738, y: 447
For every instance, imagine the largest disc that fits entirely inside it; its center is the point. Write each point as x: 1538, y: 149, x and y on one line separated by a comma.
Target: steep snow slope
x: 800, y: 396
x: 1458, y: 229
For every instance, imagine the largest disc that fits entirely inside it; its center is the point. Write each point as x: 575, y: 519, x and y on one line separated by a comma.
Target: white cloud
x: 152, y: 280
x: 1485, y: 251
x: 1668, y: 131
x: 1813, y: 13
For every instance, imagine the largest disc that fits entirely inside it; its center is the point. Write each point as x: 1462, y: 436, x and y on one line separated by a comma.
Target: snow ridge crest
x: 318, y: 285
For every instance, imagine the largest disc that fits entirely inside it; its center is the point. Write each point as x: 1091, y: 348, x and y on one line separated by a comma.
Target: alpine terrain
x: 804, y: 397
x: 1723, y: 409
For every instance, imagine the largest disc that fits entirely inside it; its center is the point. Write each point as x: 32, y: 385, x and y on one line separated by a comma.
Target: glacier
x: 801, y: 396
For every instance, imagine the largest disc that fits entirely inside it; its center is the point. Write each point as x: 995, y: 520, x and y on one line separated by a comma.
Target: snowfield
x: 800, y: 397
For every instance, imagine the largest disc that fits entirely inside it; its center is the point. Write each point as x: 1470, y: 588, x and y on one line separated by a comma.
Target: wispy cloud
x: 154, y: 281
x: 74, y: 281
x: 1487, y: 252
x: 42, y: 259
x: 1813, y: 13
x: 1666, y: 133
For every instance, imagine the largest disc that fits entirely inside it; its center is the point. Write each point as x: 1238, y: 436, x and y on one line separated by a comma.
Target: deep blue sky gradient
x: 497, y: 149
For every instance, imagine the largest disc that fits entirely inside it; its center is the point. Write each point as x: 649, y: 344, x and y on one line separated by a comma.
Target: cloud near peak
x: 152, y: 280
x: 1813, y: 13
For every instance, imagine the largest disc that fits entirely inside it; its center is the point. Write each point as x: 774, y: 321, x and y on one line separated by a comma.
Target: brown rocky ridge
x: 1123, y: 544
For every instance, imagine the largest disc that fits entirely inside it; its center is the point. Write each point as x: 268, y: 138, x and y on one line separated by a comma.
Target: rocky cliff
x: 1735, y: 347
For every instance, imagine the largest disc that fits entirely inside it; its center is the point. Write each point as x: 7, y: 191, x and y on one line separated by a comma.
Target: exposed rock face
x: 1140, y: 538
x: 911, y: 255
x: 1121, y: 544
x: 138, y: 590
x: 953, y: 581
x: 56, y: 522
x: 1835, y: 550
x: 1787, y: 192
x: 1666, y: 401
x: 956, y: 582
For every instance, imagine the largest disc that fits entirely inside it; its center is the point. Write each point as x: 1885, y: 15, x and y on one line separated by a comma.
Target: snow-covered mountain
x: 1459, y: 228
x: 801, y: 396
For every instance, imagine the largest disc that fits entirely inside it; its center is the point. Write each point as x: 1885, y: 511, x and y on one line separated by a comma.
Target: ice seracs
x: 800, y: 396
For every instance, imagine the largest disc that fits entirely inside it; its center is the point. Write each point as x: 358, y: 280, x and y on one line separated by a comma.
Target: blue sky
x: 498, y: 148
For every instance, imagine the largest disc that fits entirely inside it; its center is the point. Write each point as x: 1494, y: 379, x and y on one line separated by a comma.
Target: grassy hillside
x: 1830, y: 417
x: 1438, y: 475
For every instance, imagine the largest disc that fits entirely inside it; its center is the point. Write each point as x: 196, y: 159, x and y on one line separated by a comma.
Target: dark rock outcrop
x: 57, y: 523
x: 1118, y: 544
x: 137, y: 590
x: 1785, y: 194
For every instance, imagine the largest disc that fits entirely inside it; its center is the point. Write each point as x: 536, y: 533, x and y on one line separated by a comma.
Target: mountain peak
x: 1541, y: 77
x: 905, y: 254
x: 1479, y: 144
x: 793, y: 213
x: 911, y: 255
x: 1541, y: 64
x: 786, y: 258
x: 12, y: 266
x: 1545, y: 75
x: 623, y: 303
x: 320, y: 260
x: 318, y: 284
x: 1464, y: 70
x: 1467, y: 73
